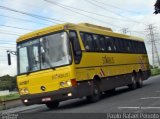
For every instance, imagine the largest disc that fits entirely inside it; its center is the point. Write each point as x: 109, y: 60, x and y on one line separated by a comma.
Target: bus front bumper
x: 58, y: 95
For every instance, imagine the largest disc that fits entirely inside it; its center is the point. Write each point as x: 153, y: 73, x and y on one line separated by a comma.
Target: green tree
x: 157, y: 7
x: 8, y: 83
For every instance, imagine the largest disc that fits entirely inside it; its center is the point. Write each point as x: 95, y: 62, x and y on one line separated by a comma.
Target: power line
x: 24, y: 20
x: 6, y: 41
x: 9, y: 31
x: 32, y: 15
x: 7, y: 44
x: 90, y: 2
x: 4, y: 33
x: 89, y: 12
x: 114, y: 6
x: 16, y: 27
x: 51, y: 2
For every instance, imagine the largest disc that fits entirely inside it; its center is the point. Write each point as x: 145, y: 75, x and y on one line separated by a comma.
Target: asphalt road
x: 142, y: 100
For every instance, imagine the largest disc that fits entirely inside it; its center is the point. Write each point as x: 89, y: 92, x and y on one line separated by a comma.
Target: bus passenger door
x: 75, y: 46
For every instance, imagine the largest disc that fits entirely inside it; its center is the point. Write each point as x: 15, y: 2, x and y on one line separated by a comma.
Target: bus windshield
x: 42, y: 53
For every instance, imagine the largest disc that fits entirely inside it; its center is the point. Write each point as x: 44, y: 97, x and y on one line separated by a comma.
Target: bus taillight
x: 74, y: 82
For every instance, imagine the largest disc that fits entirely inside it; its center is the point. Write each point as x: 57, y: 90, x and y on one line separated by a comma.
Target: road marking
x: 157, y: 91
x: 144, y: 108
x: 128, y: 107
x: 145, y: 98
x: 150, y: 107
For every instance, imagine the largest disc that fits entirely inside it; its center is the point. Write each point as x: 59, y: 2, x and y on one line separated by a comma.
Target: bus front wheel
x: 52, y: 105
x: 96, y: 92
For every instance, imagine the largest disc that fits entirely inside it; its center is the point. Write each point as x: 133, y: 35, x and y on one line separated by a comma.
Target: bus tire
x: 52, y: 105
x: 96, y: 92
x: 133, y: 85
x: 140, y: 81
x: 112, y: 91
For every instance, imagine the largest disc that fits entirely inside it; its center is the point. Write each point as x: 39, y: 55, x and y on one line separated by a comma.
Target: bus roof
x: 84, y: 27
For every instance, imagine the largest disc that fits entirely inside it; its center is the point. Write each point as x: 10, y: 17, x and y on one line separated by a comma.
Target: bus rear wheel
x: 133, y: 85
x: 140, y: 81
x: 52, y: 105
x: 96, y: 92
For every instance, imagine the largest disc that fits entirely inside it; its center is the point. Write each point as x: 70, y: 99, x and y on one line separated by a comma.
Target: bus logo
x: 43, y: 88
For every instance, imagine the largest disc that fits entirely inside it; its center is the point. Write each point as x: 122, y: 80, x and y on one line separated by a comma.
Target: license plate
x: 46, y: 99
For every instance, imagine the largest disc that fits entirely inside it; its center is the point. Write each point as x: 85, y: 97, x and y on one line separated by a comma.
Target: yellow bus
x: 69, y: 61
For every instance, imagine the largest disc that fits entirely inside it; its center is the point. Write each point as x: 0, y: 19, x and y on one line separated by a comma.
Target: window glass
x: 96, y: 42
x: 116, y: 45
x: 109, y: 45
x: 133, y: 47
x: 23, y: 57
x: 144, y: 49
x: 102, y: 43
x: 121, y: 45
x: 55, y: 51
x: 88, y: 41
x: 76, y: 44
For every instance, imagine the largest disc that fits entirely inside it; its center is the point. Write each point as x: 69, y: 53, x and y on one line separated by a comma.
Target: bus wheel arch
x: 95, y: 96
x: 97, y: 77
x: 53, y: 104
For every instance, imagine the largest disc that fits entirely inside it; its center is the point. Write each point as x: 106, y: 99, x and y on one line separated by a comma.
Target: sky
x: 135, y: 15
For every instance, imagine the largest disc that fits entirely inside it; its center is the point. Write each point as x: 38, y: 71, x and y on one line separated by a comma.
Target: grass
x: 155, y: 71
x: 9, y: 97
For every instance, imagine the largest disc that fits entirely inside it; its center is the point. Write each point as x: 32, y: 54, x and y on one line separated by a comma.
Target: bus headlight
x: 62, y: 84
x: 65, y: 83
x: 24, y: 91
x: 68, y: 83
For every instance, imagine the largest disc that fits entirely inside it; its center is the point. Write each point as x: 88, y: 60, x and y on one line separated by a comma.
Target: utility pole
x: 155, y: 55
x: 124, y: 30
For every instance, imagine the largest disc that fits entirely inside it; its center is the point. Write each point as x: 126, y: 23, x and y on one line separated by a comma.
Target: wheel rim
x: 133, y: 80
x: 140, y: 81
x: 95, y: 90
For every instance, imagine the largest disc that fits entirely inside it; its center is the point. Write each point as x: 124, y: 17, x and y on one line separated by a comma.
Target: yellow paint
x: 48, y: 78
x: 91, y: 64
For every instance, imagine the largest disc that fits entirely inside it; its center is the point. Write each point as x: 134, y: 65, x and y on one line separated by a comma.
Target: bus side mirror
x: 9, y: 58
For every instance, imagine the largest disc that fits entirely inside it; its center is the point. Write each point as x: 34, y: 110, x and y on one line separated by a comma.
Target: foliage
x: 155, y: 71
x: 157, y: 7
x: 150, y: 66
x: 9, y: 97
x: 8, y: 83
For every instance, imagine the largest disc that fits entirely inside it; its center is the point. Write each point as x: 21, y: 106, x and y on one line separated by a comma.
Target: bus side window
x: 88, y: 41
x: 129, y: 46
x: 116, y: 45
x: 121, y: 45
x: 144, y: 49
x: 126, y: 47
x: 96, y: 42
x: 109, y: 45
x: 135, y: 47
x: 99, y: 43
x: 102, y: 43
x: 132, y: 46
x: 76, y: 46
